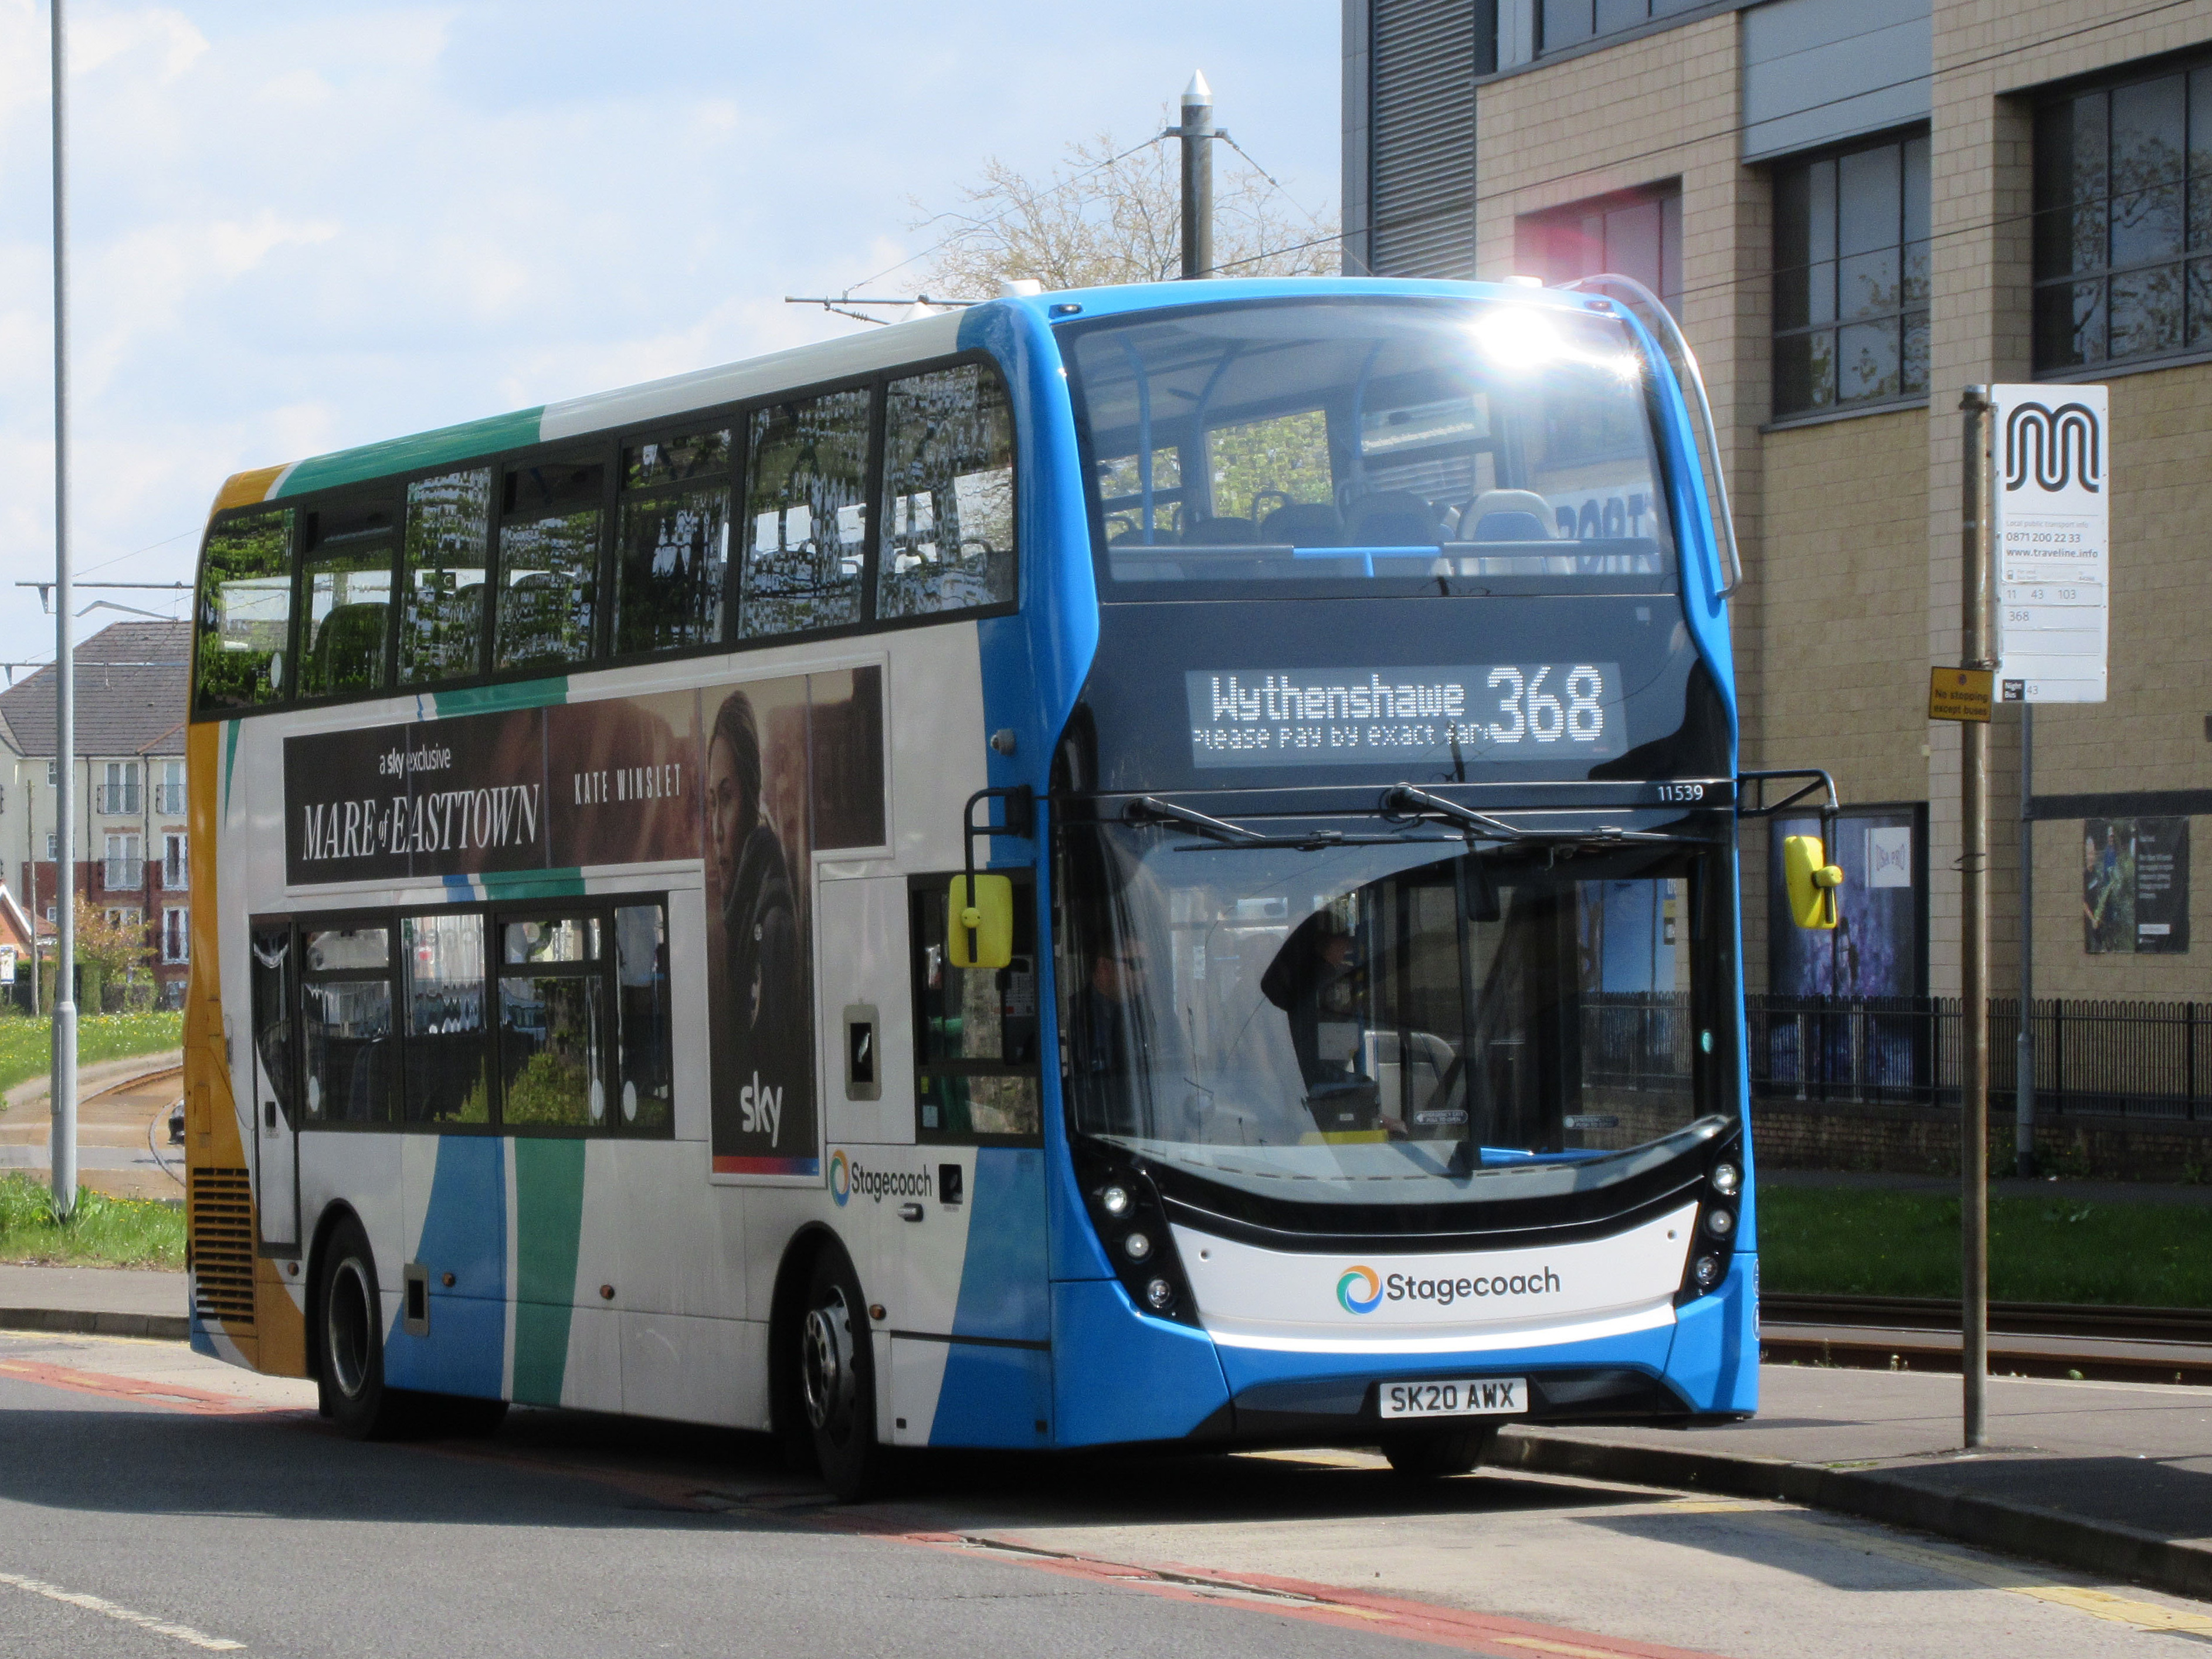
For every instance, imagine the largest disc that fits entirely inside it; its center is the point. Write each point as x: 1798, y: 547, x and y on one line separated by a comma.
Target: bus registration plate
x: 1486, y: 1396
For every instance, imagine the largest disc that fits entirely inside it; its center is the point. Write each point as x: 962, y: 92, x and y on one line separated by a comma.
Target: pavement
x: 118, y: 1102
x: 144, y: 1491
x: 2104, y: 1477
x: 2110, y: 1478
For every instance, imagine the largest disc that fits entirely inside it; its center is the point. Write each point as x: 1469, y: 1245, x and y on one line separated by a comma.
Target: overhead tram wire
x: 980, y: 224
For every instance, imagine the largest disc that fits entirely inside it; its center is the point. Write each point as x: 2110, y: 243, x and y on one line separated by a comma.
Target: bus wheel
x: 1428, y: 1452
x: 350, y: 1342
x: 836, y: 1379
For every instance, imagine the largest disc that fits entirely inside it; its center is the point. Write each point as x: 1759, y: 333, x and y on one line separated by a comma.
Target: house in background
x: 128, y: 845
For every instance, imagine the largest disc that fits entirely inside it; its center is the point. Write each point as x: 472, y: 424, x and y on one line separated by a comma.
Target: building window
x: 120, y: 792
x: 53, y: 846
x: 176, y: 870
x: 53, y: 772
x: 1850, y: 277
x: 169, y: 796
x: 122, y: 916
x: 2123, y: 191
x: 123, y: 870
x: 1568, y: 23
x: 1637, y: 234
x: 176, y: 934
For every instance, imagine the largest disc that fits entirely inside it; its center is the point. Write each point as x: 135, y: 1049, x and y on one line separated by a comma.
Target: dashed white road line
x: 183, y: 1634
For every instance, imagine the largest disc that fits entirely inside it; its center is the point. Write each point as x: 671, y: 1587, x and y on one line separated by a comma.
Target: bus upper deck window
x: 806, y: 469
x: 245, y: 611
x: 946, y: 519
x: 448, y: 538
x: 674, y: 544
x: 549, y: 565
x: 345, y: 596
x: 1443, y: 446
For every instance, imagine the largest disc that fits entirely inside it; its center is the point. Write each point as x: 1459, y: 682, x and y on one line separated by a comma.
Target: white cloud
x: 297, y: 227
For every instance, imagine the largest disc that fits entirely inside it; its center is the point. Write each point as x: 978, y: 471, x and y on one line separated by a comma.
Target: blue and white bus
x: 1151, y: 864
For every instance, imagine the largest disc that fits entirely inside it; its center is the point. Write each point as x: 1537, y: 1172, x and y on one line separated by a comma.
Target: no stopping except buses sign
x: 2052, y: 528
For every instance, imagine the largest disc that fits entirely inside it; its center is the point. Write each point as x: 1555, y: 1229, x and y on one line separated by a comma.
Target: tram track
x: 2026, y: 1339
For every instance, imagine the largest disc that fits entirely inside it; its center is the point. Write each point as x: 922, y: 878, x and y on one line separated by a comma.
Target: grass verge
x: 26, y: 1045
x: 105, y: 1233
x: 1846, y: 1241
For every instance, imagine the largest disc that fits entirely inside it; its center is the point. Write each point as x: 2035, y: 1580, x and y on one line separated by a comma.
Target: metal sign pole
x: 1974, y: 930
x: 63, y: 1100
x: 2023, y: 1132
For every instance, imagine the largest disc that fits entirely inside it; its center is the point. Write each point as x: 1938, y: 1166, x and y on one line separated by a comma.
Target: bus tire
x: 350, y: 1342
x: 837, y: 1378
x: 1427, y: 1454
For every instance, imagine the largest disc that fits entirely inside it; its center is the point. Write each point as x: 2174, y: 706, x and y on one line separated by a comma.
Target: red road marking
x: 1334, y: 1605
x: 174, y: 1396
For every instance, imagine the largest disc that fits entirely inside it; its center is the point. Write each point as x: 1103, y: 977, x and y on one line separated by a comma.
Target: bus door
x: 970, y: 1363
x: 276, y: 990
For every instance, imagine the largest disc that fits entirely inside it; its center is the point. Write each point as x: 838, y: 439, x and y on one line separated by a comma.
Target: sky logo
x: 1349, y: 1289
x: 841, y: 1178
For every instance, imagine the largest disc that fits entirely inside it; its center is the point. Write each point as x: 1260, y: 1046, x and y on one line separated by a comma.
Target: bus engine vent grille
x: 222, y: 1245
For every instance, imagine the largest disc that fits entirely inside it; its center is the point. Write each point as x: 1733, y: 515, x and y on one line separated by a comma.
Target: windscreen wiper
x: 1405, y: 802
x: 1150, y: 810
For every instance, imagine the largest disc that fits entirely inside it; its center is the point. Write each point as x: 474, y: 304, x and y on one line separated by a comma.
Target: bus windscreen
x: 1377, y: 1024
x: 1355, y: 444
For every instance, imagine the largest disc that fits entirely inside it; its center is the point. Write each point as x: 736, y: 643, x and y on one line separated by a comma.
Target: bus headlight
x: 1137, y: 1246
x: 1726, y: 1179
x: 1159, y: 1294
x: 1720, y: 1223
x: 1707, y: 1271
x: 1116, y: 1201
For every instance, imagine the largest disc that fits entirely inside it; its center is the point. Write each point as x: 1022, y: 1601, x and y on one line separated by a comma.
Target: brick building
x: 129, y: 780
x: 1858, y: 208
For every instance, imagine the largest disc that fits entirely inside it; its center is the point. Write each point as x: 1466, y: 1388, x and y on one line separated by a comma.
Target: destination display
x: 1493, y: 714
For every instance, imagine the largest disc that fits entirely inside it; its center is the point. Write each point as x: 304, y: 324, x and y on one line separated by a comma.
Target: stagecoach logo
x: 1359, y: 1290
x: 2056, y: 448
x: 849, y: 1177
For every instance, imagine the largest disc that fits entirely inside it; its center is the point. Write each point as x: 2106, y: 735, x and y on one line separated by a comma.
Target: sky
x: 297, y: 228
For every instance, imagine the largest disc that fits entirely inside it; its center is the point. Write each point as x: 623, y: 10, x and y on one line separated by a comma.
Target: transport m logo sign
x: 2056, y: 448
x: 841, y: 1178
x: 1359, y: 1290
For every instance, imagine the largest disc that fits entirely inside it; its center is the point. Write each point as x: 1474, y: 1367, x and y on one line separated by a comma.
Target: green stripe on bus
x: 532, y: 884
x: 496, y: 699
x: 449, y: 443
x: 229, y: 760
x: 549, y: 1219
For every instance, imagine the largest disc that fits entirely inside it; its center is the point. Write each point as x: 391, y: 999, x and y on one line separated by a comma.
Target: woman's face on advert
x: 726, y: 804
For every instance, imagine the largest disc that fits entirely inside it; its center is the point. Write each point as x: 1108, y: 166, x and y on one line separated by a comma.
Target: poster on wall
x: 748, y: 781
x: 1876, y: 947
x: 2135, y: 886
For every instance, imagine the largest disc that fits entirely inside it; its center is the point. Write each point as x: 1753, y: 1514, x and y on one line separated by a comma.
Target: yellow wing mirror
x: 981, y: 921
x: 1812, y: 881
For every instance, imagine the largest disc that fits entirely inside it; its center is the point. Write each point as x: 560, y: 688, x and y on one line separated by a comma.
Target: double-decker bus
x: 1150, y: 864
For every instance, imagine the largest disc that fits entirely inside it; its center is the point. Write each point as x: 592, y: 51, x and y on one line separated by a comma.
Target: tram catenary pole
x: 63, y: 1100
x: 1197, y: 133
x: 1974, y: 927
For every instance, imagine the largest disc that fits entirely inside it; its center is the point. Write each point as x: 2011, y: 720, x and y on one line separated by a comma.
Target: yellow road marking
x: 2006, y: 1576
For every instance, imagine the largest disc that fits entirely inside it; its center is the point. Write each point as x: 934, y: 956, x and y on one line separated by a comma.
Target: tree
x: 1104, y: 218
x: 112, y: 954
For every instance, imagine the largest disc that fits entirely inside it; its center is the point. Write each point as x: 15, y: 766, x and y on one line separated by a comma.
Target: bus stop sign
x: 2051, y: 491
